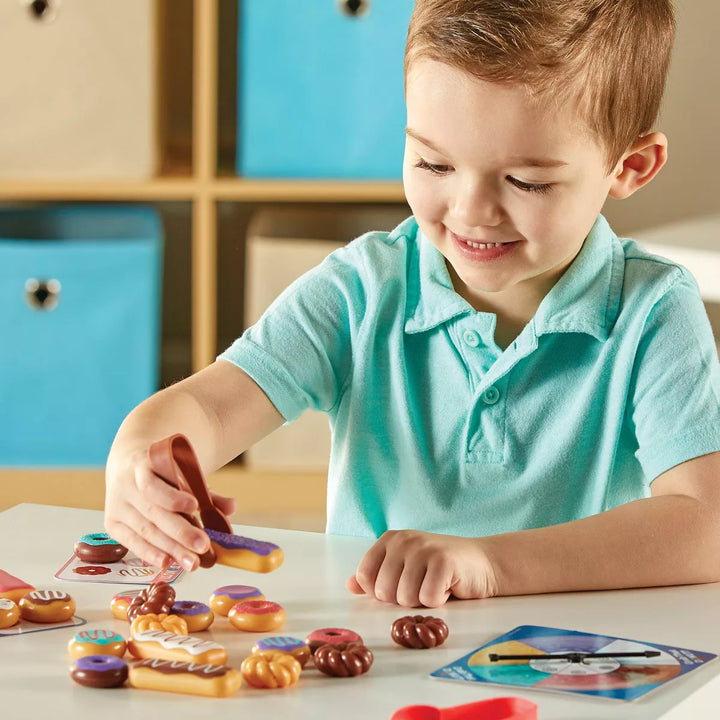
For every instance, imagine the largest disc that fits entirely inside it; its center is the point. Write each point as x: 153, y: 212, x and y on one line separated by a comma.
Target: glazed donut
x: 223, y: 598
x: 297, y: 648
x: 168, y: 646
x: 158, y: 598
x: 343, y: 660
x: 98, y: 548
x: 99, y: 671
x: 47, y: 606
x: 257, y: 616
x: 9, y: 613
x: 333, y: 636
x: 196, y: 615
x: 170, y: 623
x: 96, y: 642
x: 419, y: 631
x: 245, y: 553
x: 13, y: 588
x: 270, y: 670
x: 121, y: 602
x: 185, y: 677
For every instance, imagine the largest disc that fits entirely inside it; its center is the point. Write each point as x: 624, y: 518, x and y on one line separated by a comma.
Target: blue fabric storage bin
x: 321, y: 91
x: 79, y: 328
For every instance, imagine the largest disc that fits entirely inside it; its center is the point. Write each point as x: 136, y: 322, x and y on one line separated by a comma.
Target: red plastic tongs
x: 174, y: 460
x: 504, y: 708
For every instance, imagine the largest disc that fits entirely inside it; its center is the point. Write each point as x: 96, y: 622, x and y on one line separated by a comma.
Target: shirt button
x: 471, y: 338
x: 491, y: 395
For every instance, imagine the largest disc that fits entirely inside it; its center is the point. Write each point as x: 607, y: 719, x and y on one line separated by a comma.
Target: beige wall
x: 689, y: 184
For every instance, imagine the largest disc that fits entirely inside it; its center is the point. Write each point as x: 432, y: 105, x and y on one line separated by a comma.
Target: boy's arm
x: 222, y: 411
x: 671, y: 538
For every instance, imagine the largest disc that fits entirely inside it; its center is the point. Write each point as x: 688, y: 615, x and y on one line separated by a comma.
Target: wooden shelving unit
x: 196, y: 87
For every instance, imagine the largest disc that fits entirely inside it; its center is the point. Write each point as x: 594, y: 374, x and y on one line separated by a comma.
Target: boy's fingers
x: 354, y: 586
x: 435, y: 587
x: 156, y: 491
x: 388, y: 578
x: 367, y: 570
x: 226, y: 505
x: 409, y: 584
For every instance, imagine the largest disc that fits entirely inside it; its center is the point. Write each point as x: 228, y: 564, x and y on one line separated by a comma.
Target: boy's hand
x: 142, y: 513
x: 413, y: 569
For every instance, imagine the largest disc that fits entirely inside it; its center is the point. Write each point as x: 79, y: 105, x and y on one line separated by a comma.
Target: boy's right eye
x: 434, y: 169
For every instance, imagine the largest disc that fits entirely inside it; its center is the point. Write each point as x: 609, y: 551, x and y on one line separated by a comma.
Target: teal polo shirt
x: 434, y: 427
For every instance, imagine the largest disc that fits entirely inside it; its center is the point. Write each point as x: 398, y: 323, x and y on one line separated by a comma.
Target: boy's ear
x: 639, y: 165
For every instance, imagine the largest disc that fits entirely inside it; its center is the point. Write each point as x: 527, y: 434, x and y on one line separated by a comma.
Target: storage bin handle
x: 354, y: 8
x: 42, y: 294
x: 43, y: 9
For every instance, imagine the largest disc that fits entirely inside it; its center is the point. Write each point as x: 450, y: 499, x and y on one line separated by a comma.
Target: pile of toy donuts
x: 167, y: 656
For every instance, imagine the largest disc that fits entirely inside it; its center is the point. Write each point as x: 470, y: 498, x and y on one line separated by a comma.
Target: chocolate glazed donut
x: 347, y: 660
x: 157, y: 599
x: 419, y: 631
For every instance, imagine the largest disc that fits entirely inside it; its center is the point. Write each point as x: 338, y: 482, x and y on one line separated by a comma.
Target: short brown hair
x: 609, y: 56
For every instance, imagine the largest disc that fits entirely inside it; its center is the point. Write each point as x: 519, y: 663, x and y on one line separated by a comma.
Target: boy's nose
x: 477, y: 205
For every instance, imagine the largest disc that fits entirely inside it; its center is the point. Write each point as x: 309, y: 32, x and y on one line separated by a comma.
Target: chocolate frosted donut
x: 158, y: 598
x: 343, y: 660
x: 97, y: 548
x: 419, y: 631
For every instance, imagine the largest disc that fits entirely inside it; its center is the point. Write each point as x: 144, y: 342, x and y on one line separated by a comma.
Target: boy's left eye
x: 529, y: 187
x: 434, y: 169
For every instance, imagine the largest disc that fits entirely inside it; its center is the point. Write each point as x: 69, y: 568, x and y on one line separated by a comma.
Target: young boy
x: 520, y: 401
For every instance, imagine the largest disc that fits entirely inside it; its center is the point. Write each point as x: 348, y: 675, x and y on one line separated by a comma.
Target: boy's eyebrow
x: 525, y: 162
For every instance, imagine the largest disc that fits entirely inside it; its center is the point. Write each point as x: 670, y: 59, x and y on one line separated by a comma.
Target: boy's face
x: 485, y: 164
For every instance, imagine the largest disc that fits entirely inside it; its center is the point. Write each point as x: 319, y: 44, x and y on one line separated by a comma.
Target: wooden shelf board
x: 161, y: 188
x: 241, y: 189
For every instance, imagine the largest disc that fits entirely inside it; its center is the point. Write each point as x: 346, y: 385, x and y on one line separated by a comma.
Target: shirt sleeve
x: 675, y: 393
x: 300, y: 351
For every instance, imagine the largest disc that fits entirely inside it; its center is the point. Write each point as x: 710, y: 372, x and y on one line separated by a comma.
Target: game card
x: 130, y: 571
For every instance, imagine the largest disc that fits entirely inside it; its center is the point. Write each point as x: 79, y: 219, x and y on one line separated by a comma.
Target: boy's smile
x: 505, y: 186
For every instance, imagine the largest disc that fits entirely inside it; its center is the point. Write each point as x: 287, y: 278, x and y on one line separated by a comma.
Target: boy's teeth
x: 482, y: 246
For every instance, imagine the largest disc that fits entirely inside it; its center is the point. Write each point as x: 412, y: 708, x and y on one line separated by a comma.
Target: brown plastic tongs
x: 173, y: 459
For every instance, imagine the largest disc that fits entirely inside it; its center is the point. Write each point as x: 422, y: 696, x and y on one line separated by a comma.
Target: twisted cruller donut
x: 158, y: 598
x: 419, y: 631
x: 152, y: 621
x: 343, y: 660
x: 272, y: 669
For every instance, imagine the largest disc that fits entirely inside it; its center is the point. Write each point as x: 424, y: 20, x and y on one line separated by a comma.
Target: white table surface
x: 36, y: 540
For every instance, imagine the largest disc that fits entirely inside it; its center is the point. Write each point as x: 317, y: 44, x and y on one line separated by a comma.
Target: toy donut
x: 158, y: 598
x: 98, y: 548
x: 121, y: 602
x: 297, y: 648
x: 9, y: 613
x: 197, y: 615
x: 245, y: 553
x: 419, y: 631
x: 333, y: 636
x: 270, y: 670
x: 151, y: 621
x: 343, y: 660
x: 47, y: 606
x: 13, y: 588
x: 226, y: 596
x: 257, y: 616
x: 99, y: 671
x: 185, y: 677
x: 96, y: 642
x: 168, y: 646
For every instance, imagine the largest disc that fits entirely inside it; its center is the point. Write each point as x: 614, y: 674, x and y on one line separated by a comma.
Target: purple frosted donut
x: 282, y: 643
x: 99, y: 671
x: 222, y: 599
x: 197, y: 615
x: 245, y: 553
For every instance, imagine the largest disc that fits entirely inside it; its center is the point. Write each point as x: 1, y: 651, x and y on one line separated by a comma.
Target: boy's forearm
x: 168, y: 412
x: 664, y: 540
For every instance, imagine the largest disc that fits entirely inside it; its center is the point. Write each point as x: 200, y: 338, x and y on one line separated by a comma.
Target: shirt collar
x: 586, y: 298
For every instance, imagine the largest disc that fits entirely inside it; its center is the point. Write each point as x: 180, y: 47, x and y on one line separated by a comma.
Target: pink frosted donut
x: 257, y: 616
x: 226, y: 596
x: 332, y: 636
x: 197, y: 615
x: 121, y: 602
